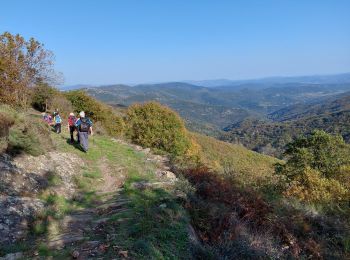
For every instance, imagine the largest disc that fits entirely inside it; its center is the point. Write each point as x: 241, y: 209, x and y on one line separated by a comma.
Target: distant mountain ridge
x: 309, y: 79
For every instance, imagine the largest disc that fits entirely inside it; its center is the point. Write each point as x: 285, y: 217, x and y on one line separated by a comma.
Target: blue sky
x: 103, y: 42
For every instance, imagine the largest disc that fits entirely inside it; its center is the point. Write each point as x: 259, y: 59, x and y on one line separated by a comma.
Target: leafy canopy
x: 317, y: 168
x: 23, y: 64
x: 319, y: 151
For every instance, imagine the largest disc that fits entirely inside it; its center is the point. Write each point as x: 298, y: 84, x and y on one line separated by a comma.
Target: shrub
x: 157, y: 126
x: 310, y: 186
x: 112, y: 123
x: 317, y: 168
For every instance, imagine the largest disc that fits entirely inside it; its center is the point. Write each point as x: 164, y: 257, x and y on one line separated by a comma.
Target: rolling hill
x: 210, y: 109
x: 331, y: 115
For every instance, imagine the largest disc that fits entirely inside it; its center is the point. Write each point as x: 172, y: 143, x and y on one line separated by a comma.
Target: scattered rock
x: 123, y: 253
x: 64, y: 239
x: 75, y: 254
x: 103, y: 247
x: 166, y: 174
x: 63, y: 165
x: 193, y: 236
x: 162, y: 206
x: 16, y: 214
x: 15, y: 181
x: 141, y: 185
x: 13, y: 256
x: 91, y: 244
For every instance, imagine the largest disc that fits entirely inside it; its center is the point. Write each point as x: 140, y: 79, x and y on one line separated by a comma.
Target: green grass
x: 96, y: 174
x: 245, y: 166
x: 53, y: 179
x: 23, y: 133
x: 20, y: 246
x: 48, y: 253
x: 155, y: 227
x: 103, y: 148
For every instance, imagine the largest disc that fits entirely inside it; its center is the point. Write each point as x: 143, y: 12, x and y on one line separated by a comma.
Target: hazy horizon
x: 199, y: 80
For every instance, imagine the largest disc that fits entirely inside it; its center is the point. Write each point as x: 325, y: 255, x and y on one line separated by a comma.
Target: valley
x: 263, y: 115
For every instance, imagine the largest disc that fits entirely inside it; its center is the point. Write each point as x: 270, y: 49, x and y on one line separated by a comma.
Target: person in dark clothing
x: 71, y: 126
x: 84, y: 126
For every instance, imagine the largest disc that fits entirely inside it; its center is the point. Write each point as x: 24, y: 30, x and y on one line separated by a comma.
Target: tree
x: 42, y: 96
x: 23, y: 64
x: 319, y: 151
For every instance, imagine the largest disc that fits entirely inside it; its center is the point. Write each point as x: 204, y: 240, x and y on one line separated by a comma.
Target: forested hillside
x: 331, y: 115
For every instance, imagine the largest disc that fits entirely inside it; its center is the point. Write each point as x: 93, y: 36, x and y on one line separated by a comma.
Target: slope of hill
x: 336, y: 103
x: 120, y: 199
x: 249, y: 168
x: 331, y: 115
x: 117, y: 199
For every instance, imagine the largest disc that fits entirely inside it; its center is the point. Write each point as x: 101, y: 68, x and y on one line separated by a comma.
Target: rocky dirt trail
x: 78, y: 229
x: 80, y: 234
x: 84, y: 231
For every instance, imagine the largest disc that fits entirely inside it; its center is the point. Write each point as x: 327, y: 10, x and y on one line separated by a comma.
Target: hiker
x: 76, y: 119
x: 84, y: 126
x: 71, y: 126
x: 49, y: 120
x: 44, y: 115
x: 57, y: 122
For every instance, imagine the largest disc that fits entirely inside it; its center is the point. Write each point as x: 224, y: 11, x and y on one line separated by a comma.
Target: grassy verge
x: 152, y: 225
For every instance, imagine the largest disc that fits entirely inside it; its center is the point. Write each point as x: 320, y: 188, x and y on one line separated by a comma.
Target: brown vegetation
x: 23, y: 64
x: 239, y: 223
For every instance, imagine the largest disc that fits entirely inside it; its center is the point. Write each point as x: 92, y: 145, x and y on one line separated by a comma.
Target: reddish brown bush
x: 221, y: 208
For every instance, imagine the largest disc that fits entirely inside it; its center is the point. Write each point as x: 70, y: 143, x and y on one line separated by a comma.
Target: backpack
x: 71, y: 120
x: 84, y: 125
x: 58, y: 119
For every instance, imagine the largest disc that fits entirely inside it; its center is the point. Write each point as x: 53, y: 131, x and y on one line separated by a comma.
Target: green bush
x: 112, y: 123
x: 156, y: 126
x: 320, y: 151
x: 317, y: 168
